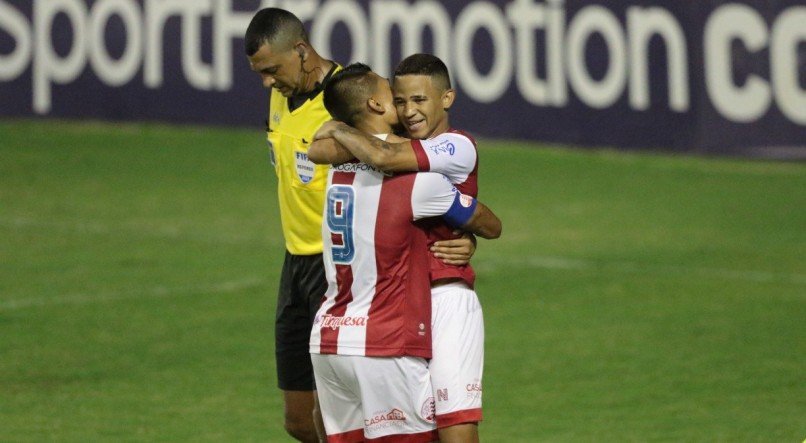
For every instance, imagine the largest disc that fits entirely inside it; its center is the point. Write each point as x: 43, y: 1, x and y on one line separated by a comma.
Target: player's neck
x: 374, y: 126
x: 443, y: 127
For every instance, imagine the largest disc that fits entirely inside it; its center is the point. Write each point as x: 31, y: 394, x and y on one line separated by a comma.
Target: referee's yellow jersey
x: 301, y: 183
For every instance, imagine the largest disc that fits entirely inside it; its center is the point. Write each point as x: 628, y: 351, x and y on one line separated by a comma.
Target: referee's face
x: 280, y: 70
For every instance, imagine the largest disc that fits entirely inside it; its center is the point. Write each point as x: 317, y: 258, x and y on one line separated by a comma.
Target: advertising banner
x: 706, y: 76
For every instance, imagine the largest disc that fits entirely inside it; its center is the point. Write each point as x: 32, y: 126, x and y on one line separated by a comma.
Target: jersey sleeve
x: 451, y: 154
x: 434, y: 196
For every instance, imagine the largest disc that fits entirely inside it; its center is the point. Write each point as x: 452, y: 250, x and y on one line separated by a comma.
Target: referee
x: 278, y: 49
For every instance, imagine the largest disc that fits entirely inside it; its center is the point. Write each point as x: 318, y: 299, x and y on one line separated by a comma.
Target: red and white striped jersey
x: 453, y: 154
x: 378, y: 301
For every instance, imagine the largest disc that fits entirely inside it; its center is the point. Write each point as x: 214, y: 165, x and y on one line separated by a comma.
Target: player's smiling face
x: 421, y: 107
x: 278, y: 69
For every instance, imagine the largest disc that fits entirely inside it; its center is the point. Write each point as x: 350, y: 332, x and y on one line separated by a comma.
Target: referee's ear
x: 301, y: 49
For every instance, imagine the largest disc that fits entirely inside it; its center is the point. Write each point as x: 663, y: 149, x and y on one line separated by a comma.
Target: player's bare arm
x: 394, y: 156
x: 328, y: 151
x: 472, y: 216
x: 483, y: 223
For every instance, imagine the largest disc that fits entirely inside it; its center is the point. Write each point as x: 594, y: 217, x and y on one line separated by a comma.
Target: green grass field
x: 632, y: 297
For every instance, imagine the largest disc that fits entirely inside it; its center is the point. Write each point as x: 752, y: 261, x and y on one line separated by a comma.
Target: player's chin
x: 417, y: 131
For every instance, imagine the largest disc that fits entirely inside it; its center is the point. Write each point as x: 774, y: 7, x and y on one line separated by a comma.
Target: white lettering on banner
x: 411, y: 20
x: 597, y: 19
x: 115, y: 72
x: 349, y: 13
x: 228, y: 25
x: 728, y: 23
x: 157, y: 13
x: 15, y: 24
x: 304, y: 9
x: 749, y: 102
x: 642, y: 25
x: 197, y: 73
x: 788, y: 33
x: 543, y: 70
x: 490, y: 87
x: 526, y: 17
x: 49, y: 67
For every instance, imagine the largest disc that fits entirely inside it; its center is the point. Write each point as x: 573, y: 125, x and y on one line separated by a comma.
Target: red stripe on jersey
x: 402, y: 283
x: 423, y: 164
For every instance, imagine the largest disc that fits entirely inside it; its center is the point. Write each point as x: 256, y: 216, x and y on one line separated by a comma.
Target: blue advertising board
x: 707, y: 76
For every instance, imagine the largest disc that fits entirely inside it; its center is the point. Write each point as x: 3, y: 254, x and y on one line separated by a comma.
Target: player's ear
x: 447, y: 98
x: 375, y: 106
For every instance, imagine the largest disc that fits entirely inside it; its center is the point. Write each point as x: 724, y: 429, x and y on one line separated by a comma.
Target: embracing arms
x: 395, y: 154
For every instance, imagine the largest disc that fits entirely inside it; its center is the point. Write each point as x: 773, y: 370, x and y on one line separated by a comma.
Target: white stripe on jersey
x: 363, y: 288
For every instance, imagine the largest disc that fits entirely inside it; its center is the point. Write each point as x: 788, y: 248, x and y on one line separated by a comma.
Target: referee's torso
x: 301, y: 183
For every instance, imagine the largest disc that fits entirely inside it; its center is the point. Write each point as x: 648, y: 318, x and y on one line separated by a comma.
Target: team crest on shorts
x: 429, y: 411
x: 305, y: 167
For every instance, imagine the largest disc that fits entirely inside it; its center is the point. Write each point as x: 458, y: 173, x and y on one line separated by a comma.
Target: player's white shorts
x: 365, y: 398
x: 457, y: 331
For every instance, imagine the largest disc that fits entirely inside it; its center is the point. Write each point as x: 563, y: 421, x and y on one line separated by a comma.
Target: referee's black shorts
x: 302, y: 286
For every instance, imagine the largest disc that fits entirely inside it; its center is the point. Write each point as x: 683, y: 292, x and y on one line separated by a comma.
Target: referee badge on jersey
x: 305, y: 167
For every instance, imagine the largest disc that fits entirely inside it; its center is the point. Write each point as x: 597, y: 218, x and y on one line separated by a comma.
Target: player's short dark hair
x: 274, y: 26
x: 347, y: 92
x: 426, y: 64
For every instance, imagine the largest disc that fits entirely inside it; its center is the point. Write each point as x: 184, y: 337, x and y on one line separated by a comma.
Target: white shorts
x: 364, y: 398
x: 457, y: 334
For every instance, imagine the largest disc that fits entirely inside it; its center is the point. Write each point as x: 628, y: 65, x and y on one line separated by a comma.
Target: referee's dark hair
x: 426, y: 64
x: 276, y: 27
x: 347, y: 92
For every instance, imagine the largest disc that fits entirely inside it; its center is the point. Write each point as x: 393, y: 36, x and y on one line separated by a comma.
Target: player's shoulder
x: 462, y: 133
x: 452, y: 139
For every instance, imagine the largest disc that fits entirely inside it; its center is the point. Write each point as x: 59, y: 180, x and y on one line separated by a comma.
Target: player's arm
x: 328, y: 151
x: 473, y: 216
x: 434, y: 196
x: 386, y: 156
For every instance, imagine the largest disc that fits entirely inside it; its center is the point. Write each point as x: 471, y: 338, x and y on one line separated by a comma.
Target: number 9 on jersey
x: 340, y: 208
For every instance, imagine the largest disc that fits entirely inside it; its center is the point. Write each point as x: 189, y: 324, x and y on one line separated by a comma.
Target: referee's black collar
x: 298, y: 100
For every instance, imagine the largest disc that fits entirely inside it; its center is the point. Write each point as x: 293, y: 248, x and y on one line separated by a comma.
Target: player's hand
x: 457, y: 251
x: 326, y: 130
